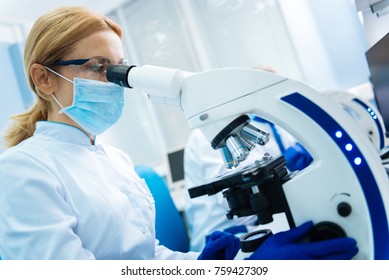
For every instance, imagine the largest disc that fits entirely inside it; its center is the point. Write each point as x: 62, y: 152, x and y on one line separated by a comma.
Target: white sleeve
x: 35, y: 220
x: 163, y: 253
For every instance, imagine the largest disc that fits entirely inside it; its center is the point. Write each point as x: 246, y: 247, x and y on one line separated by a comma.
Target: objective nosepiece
x: 254, y: 134
x: 228, y: 159
x: 237, y: 149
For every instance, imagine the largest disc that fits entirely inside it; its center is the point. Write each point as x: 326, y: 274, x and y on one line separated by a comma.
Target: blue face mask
x: 96, y: 105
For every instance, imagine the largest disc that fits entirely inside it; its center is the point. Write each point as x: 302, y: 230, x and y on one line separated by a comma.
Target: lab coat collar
x: 63, y: 132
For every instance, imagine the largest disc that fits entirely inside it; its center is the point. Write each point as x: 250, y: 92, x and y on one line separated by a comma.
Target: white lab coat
x: 206, y: 214
x: 63, y: 198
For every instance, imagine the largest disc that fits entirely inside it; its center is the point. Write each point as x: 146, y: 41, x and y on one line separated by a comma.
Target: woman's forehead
x: 105, y: 44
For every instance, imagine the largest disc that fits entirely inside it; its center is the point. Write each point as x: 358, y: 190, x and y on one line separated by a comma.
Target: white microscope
x: 345, y: 191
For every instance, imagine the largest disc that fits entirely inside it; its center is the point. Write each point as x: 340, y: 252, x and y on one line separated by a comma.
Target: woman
x: 62, y: 194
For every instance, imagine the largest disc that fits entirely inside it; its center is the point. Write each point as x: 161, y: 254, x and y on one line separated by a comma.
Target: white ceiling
x: 30, y: 10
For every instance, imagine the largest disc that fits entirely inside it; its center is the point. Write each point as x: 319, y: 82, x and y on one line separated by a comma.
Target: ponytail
x: 23, y: 125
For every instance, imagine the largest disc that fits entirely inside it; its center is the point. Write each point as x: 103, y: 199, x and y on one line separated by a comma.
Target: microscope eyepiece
x: 118, y: 74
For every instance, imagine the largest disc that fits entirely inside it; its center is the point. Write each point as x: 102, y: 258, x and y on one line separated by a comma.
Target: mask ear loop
x: 55, y: 99
x: 59, y: 104
x: 58, y: 74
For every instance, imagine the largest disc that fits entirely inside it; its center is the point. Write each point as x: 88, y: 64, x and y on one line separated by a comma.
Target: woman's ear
x: 42, y: 78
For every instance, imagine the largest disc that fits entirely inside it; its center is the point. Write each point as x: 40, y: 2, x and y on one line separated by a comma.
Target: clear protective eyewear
x: 89, y: 68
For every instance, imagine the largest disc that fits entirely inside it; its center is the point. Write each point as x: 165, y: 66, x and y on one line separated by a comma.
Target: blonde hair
x: 52, y: 37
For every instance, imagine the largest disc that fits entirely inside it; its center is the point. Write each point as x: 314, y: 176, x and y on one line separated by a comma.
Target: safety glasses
x: 89, y: 68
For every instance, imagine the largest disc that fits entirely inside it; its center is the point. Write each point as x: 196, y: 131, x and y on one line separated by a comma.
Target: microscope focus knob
x: 326, y: 230
x: 344, y: 209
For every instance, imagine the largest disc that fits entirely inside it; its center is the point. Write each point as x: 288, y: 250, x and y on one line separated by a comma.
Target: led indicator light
x: 338, y: 134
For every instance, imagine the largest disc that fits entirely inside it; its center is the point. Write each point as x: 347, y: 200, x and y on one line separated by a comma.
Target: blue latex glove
x: 233, y: 230
x: 285, y: 246
x: 297, y: 157
x: 236, y: 229
x: 220, y: 246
